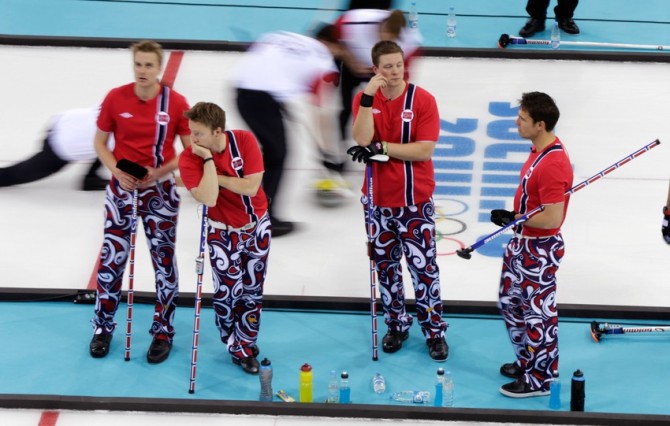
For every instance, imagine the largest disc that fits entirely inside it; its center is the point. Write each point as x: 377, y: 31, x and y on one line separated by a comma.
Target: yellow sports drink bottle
x: 306, y: 383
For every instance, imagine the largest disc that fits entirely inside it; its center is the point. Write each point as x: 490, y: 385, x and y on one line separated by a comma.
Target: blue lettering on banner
x: 489, y: 180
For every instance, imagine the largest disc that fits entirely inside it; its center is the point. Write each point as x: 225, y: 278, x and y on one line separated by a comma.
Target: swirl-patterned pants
x: 157, y: 208
x: 527, y: 302
x: 239, y: 263
x: 408, y: 231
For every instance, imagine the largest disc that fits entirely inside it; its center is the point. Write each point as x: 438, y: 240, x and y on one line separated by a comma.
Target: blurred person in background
x: 68, y: 140
x: 537, y: 9
x: 358, y: 30
x: 278, y: 70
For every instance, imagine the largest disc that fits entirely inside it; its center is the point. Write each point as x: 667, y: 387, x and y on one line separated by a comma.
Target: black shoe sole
x: 157, y: 360
x: 96, y: 354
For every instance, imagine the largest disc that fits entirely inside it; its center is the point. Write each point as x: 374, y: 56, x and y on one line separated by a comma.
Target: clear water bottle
x: 265, y: 374
x: 448, y: 392
x: 378, y: 383
x: 409, y: 396
x: 577, y: 391
x: 451, y: 23
x: 345, y: 390
x: 333, y: 388
x: 555, y: 36
x: 306, y: 383
x: 555, y: 391
x: 413, y: 21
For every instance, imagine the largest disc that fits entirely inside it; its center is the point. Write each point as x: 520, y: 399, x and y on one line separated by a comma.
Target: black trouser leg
x: 39, y: 166
x: 537, y: 8
x: 565, y: 9
x: 264, y: 116
x: 93, y: 169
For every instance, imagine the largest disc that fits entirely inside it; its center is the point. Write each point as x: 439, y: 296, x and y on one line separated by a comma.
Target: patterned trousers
x: 527, y: 302
x: 239, y: 263
x: 157, y: 208
x: 408, y: 231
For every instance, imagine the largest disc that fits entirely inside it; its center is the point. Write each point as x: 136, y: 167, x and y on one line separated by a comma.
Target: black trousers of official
x: 565, y: 9
x: 265, y: 117
x: 44, y: 163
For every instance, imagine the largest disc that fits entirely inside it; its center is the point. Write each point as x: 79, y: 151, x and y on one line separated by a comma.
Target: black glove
x: 362, y: 154
x: 502, y: 217
x: 665, y: 227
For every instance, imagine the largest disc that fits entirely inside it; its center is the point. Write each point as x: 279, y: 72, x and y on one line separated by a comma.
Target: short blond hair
x: 207, y: 113
x: 148, y: 46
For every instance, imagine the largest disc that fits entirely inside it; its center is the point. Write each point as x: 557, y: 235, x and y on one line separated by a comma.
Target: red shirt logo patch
x: 237, y: 163
x: 407, y: 115
x: 162, y: 118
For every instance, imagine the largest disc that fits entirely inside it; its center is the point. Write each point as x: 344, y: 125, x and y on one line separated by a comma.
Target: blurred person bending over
x: 223, y: 170
x: 277, y: 70
x: 527, y: 295
x: 68, y: 140
x: 357, y: 31
x: 144, y: 117
x: 401, y: 120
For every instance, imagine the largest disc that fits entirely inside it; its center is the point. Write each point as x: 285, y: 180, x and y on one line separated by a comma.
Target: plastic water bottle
x: 345, y: 390
x: 439, y: 387
x: 265, y: 374
x: 444, y: 389
x: 378, y: 383
x: 555, y: 36
x: 448, y: 391
x: 577, y: 391
x: 451, y: 23
x: 306, y: 383
x: 409, y: 396
x: 555, y: 391
x: 413, y: 21
x: 333, y: 388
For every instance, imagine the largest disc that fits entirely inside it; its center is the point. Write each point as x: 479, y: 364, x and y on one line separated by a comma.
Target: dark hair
x: 326, y: 32
x: 370, y: 4
x: 540, y: 107
x: 207, y: 113
x: 384, y: 47
x: 394, y: 23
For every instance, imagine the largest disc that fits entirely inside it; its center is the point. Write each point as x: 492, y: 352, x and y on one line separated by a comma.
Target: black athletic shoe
x: 99, y: 347
x: 392, y: 341
x: 94, y: 183
x: 159, y: 350
x: 249, y: 364
x: 336, y: 167
x: 568, y: 25
x: 438, y: 348
x: 532, y: 26
x: 511, y: 370
x: 279, y: 227
x: 521, y: 389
